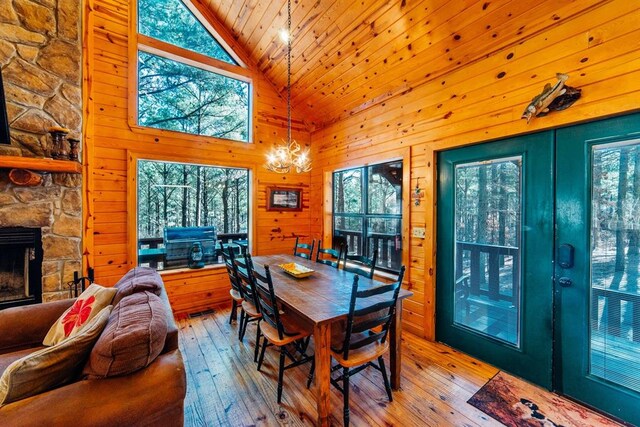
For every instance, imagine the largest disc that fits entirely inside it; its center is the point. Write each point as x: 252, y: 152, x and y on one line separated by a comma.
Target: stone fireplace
x: 20, y: 266
x: 40, y: 57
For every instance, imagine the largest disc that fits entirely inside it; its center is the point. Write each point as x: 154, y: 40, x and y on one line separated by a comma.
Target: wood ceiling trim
x: 366, y: 49
x: 432, y: 63
x: 434, y: 53
x: 273, y: 56
x: 327, y: 27
x: 351, y: 55
x: 617, y: 49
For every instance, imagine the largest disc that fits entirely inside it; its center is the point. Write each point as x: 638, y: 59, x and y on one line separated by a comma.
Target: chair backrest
x: 244, y: 267
x: 228, y: 257
x: 306, y: 246
x: 370, y: 322
x: 335, y: 255
x: 360, y: 264
x: 268, y: 302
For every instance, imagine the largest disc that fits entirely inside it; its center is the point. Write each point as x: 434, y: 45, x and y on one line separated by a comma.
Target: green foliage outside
x: 367, y: 208
x: 179, y: 97
x: 172, y: 22
x: 175, y: 96
x: 185, y: 195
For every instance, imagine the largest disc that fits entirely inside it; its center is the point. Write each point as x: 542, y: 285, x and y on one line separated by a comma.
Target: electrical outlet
x: 418, y: 232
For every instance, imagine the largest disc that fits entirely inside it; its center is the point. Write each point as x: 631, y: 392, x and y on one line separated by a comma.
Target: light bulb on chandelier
x: 288, y: 155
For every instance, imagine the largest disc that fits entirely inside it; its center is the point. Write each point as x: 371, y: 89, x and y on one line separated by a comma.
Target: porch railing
x: 151, y: 250
x: 470, y: 255
x: 612, y: 313
x: 389, y: 247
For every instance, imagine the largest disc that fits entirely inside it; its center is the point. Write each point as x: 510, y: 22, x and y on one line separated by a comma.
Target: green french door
x: 598, y: 314
x: 539, y: 259
x: 495, y: 249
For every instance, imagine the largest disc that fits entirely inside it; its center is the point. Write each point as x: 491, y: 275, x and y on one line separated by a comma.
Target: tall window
x: 182, y: 204
x: 189, y: 89
x: 367, y: 212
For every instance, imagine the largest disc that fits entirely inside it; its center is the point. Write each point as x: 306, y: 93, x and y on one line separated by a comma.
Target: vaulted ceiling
x: 348, y: 55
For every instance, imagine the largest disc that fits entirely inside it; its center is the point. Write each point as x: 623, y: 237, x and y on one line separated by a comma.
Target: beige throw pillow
x: 72, y: 321
x: 51, y: 367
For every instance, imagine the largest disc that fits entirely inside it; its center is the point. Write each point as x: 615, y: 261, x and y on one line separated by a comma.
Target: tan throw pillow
x: 72, y: 321
x: 138, y: 279
x: 132, y: 339
x: 51, y: 367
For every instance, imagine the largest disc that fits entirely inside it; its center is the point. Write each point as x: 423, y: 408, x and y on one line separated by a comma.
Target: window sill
x: 157, y: 132
x: 183, y: 270
x: 384, y: 275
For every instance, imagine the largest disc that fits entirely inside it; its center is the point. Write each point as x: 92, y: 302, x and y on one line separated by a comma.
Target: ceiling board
x: 348, y: 55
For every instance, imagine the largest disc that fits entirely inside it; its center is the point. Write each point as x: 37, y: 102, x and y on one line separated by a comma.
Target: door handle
x: 565, y: 255
x: 565, y: 282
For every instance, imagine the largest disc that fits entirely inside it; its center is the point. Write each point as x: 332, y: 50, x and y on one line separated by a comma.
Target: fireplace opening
x: 20, y: 266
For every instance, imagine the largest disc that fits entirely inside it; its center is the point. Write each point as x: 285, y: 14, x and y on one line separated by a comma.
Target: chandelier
x: 288, y: 155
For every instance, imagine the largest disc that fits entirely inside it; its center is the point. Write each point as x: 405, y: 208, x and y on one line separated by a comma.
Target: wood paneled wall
x: 108, y: 237
x: 478, y: 100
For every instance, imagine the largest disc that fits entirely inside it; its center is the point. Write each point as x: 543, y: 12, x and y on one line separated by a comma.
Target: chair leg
x: 242, y: 317
x: 311, y: 371
x: 244, y: 327
x: 234, y: 311
x: 280, y: 374
x: 305, y: 344
x: 383, y: 370
x: 261, y: 359
x: 255, y: 351
x: 345, y: 394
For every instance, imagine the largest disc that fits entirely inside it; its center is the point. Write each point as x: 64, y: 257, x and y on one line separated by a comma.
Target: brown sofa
x: 151, y: 396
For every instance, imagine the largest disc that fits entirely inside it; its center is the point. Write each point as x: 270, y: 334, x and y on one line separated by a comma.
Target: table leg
x: 396, y: 348
x: 322, y: 342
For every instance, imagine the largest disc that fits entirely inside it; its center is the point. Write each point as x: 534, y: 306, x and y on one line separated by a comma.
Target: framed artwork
x: 284, y: 199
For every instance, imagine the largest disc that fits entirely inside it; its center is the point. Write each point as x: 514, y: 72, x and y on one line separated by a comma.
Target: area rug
x: 516, y: 403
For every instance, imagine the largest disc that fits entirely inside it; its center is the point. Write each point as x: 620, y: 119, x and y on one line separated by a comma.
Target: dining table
x: 322, y: 300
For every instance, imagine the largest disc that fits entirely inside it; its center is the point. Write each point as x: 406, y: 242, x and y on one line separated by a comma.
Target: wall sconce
x: 418, y: 194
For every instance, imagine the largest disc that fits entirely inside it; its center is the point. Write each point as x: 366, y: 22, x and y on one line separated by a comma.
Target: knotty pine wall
x: 109, y: 234
x: 479, y: 100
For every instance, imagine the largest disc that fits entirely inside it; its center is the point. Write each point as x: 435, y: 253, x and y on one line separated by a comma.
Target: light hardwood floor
x: 224, y: 387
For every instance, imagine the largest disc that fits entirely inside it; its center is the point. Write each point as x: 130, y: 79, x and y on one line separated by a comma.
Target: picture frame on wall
x: 284, y: 199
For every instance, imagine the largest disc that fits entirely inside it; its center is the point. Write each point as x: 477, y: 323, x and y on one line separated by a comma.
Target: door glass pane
x: 488, y: 206
x: 615, y: 254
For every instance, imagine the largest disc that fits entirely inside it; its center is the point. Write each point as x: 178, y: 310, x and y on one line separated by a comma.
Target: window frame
x: 132, y: 200
x: 140, y: 42
x: 365, y: 215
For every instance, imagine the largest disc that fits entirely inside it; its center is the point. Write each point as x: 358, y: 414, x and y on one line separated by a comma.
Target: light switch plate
x: 418, y: 232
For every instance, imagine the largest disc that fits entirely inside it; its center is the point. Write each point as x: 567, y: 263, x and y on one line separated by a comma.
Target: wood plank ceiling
x: 348, y: 55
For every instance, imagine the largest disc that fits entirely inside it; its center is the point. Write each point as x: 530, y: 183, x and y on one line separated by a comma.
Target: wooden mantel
x: 39, y: 164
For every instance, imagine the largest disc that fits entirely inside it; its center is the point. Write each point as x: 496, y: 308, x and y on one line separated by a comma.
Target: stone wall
x: 40, y: 57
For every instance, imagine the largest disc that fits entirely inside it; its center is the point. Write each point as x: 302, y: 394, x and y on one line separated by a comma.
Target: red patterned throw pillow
x: 72, y: 321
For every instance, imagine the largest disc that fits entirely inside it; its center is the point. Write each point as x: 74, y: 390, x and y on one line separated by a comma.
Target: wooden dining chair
x: 304, y: 246
x: 236, y: 287
x: 364, y: 339
x: 279, y: 329
x: 334, y: 256
x: 250, y: 307
x: 360, y: 264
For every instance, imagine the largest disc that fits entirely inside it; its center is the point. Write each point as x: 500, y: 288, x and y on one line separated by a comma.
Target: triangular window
x: 171, y: 21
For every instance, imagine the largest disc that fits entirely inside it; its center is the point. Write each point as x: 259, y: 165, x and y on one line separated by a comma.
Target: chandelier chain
x: 288, y: 155
x: 289, y: 71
